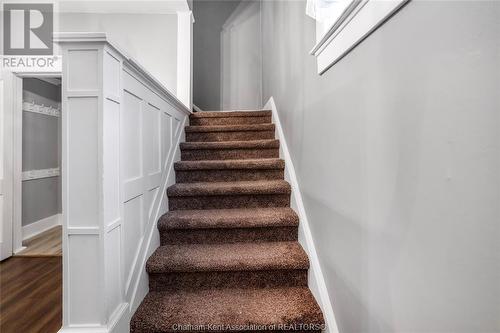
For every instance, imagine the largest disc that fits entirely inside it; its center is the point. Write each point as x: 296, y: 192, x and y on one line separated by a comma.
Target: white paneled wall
x: 121, y: 130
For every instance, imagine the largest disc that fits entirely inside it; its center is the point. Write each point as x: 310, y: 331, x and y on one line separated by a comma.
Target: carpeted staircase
x: 229, y: 259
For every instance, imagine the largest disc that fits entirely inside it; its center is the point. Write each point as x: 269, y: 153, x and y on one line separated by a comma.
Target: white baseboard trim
x: 42, y: 225
x: 196, y: 108
x: 120, y: 320
x: 118, y: 323
x: 316, y: 281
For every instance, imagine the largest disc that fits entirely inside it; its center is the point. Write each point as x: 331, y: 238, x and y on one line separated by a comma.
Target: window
x: 342, y: 24
x: 326, y: 13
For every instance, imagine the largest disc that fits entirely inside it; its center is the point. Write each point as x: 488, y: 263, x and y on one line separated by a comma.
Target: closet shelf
x: 40, y: 173
x: 42, y: 109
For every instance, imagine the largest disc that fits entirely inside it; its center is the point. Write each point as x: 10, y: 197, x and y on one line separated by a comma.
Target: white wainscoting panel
x: 112, y: 249
x: 83, y: 69
x: 133, y: 230
x: 112, y: 187
x: 166, y: 136
x: 82, y: 143
x: 84, y: 279
x: 111, y: 160
x: 121, y: 130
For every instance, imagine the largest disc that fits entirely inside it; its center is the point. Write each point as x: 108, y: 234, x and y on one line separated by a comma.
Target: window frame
x: 359, y: 19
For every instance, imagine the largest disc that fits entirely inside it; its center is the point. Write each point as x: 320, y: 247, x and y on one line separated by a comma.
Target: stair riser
x: 230, y: 121
x: 229, y: 201
x: 241, y: 279
x: 193, y: 176
x: 228, y: 154
x: 232, y: 235
x: 228, y: 136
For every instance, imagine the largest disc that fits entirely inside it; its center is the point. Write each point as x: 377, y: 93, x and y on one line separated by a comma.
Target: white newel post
x: 120, y: 133
x: 185, y: 22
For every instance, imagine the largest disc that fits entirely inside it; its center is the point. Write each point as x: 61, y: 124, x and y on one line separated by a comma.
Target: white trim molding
x: 42, y: 225
x: 316, y: 281
x: 357, y: 22
x: 12, y: 106
x: 196, y: 108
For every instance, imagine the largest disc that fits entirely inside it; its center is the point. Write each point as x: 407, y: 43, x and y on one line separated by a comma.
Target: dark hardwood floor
x: 46, y: 244
x: 31, y: 295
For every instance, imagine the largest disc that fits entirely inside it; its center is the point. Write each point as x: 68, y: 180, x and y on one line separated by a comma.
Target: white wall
x: 397, y: 153
x: 149, y: 38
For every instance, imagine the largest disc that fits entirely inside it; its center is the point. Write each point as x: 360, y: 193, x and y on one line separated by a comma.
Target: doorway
x: 41, y: 160
x: 241, y: 59
x: 31, y: 278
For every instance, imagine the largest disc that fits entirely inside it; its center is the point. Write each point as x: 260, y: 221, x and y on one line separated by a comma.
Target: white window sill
x: 359, y: 20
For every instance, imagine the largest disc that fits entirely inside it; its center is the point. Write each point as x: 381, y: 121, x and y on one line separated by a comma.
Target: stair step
x: 227, y: 257
x: 230, y: 188
x: 229, y: 150
x: 230, y: 118
x: 230, y: 128
x: 247, y: 265
x: 226, y: 114
x: 229, y: 132
x: 228, y: 226
x: 261, y: 163
x: 229, y: 170
x: 228, y: 218
x: 226, y: 195
x: 238, y: 310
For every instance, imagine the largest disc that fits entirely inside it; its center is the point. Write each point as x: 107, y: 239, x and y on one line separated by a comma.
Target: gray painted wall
x: 241, y: 69
x: 41, y: 198
x: 397, y: 152
x: 209, y: 16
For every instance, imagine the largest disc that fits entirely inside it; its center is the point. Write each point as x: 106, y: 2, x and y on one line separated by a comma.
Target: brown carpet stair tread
x: 160, y: 311
x: 259, y: 163
x: 229, y: 254
x: 253, y: 144
x: 227, y: 257
x: 228, y: 218
x: 260, y: 187
x: 219, y: 114
x: 230, y: 128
